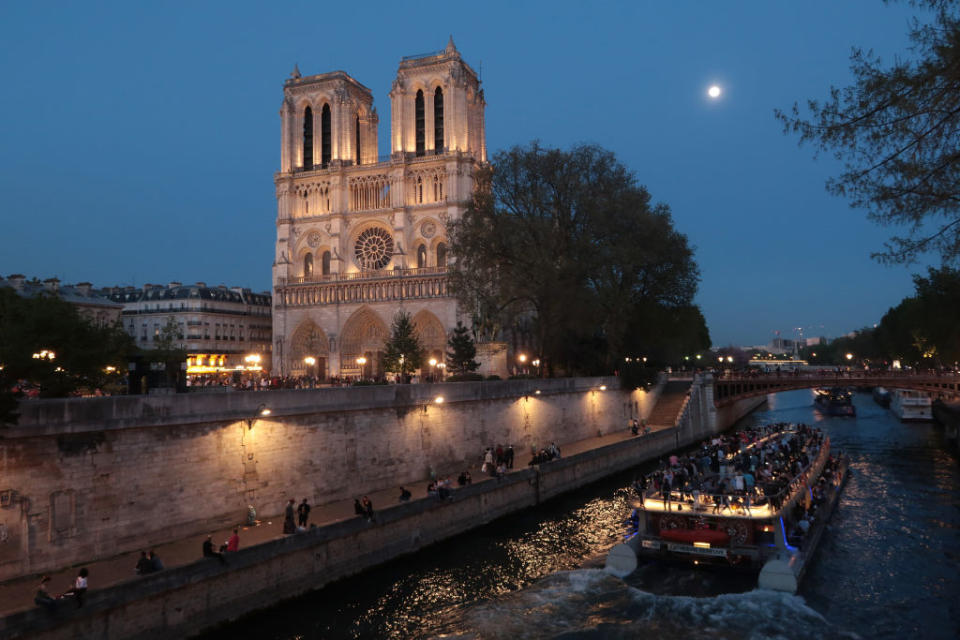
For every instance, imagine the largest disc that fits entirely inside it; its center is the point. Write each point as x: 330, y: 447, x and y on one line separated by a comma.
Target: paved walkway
x: 17, y: 594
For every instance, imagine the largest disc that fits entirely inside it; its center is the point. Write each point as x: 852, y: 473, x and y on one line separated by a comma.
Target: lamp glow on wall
x: 262, y: 412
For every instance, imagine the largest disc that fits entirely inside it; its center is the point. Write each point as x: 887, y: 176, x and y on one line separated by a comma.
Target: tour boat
x: 881, y: 396
x: 759, y: 534
x: 912, y: 406
x: 835, y: 402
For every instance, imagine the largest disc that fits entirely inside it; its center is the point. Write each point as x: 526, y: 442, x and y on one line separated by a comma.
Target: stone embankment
x: 308, y: 441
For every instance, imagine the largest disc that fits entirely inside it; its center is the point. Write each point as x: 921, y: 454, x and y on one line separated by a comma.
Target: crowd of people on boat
x: 735, y: 472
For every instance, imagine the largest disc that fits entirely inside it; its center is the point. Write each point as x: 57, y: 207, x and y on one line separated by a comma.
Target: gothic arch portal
x: 433, y: 337
x: 309, y: 340
x: 363, y: 335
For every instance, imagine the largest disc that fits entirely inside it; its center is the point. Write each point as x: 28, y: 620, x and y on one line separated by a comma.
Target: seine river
x: 888, y: 567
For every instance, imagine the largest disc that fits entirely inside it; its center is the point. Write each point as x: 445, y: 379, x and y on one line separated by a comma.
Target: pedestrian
x: 155, y: 563
x: 289, y: 524
x: 303, y: 513
x: 233, y: 544
x: 143, y: 565
x: 510, y: 456
x: 43, y: 597
x: 367, y: 508
x: 79, y: 588
x: 404, y: 495
x: 357, y: 507
x: 208, y: 551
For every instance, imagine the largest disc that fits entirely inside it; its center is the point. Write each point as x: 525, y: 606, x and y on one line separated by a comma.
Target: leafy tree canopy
x: 81, y: 351
x: 897, y: 131
x: 565, y: 250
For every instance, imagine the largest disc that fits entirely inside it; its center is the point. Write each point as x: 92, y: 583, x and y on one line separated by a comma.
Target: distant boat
x: 881, y: 396
x: 912, y: 406
x: 837, y: 401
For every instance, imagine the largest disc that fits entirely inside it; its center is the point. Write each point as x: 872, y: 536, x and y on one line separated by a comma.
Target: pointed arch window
x: 421, y: 256
x: 420, y: 123
x: 325, y: 135
x: 308, y: 138
x: 441, y: 255
x: 438, y: 121
x: 308, y: 265
x: 325, y: 263
x: 357, y: 145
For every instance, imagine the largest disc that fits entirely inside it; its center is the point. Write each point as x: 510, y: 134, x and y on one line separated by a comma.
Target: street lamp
x: 310, y: 361
x: 442, y: 366
x: 849, y: 356
x: 433, y: 365
x: 45, y: 354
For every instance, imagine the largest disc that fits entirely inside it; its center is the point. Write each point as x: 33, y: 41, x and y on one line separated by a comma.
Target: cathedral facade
x: 362, y: 237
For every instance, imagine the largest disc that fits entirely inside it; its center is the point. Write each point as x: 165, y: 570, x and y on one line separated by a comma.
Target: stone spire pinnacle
x: 295, y: 74
x: 451, y: 48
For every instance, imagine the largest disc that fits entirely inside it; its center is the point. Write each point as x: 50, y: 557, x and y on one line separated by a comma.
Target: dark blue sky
x: 139, y: 140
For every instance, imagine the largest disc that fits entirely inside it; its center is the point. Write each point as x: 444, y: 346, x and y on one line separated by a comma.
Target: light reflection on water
x: 887, y: 566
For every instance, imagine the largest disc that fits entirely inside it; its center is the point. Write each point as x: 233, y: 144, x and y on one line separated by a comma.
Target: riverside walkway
x: 17, y: 594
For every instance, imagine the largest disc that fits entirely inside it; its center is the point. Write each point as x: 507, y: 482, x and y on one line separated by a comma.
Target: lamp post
x: 310, y: 361
x: 442, y: 366
x: 433, y: 366
x: 522, y: 359
x: 361, y: 362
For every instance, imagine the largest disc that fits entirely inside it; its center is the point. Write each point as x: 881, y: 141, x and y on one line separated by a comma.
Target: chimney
x: 222, y: 287
x: 175, y: 284
x: 147, y: 287
x: 84, y: 288
x: 201, y: 284
x: 52, y: 285
x: 17, y: 281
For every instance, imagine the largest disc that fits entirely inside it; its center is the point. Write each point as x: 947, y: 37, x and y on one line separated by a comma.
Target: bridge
x: 729, y: 389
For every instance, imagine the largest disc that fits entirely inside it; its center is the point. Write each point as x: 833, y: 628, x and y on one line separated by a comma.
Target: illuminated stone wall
x: 83, y: 479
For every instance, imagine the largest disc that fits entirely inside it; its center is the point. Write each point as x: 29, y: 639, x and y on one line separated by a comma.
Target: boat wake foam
x: 590, y: 603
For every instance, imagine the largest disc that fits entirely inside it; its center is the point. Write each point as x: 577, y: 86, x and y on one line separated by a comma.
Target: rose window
x: 374, y: 248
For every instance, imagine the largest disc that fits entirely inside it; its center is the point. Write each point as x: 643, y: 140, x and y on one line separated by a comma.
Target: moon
x: 714, y: 92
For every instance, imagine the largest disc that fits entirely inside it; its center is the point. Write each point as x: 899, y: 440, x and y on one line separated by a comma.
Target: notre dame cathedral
x: 361, y: 237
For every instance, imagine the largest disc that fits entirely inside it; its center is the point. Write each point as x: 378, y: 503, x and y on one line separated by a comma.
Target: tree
x: 896, y: 131
x: 403, y: 352
x: 81, y: 351
x: 460, y: 357
x: 561, y: 249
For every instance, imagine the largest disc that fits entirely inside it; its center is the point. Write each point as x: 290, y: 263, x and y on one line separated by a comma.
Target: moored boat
x: 911, y: 406
x: 837, y: 401
x: 771, y: 526
x: 881, y: 396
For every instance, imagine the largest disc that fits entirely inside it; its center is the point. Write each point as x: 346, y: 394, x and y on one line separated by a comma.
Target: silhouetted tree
x: 403, y: 353
x: 895, y: 129
x: 460, y: 357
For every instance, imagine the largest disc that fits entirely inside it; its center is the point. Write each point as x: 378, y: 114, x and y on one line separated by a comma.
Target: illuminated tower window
x: 357, y: 145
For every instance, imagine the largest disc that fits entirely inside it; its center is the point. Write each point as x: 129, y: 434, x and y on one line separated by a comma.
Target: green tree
x: 563, y: 248
x: 403, y: 352
x: 895, y: 130
x: 82, y: 351
x: 460, y: 356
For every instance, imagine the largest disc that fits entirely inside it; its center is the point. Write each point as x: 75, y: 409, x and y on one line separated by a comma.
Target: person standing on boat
x: 665, y: 489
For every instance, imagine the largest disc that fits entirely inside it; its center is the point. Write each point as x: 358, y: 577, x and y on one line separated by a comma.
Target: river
x: 888, y: 566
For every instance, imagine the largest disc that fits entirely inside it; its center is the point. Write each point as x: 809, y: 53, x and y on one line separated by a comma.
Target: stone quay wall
x: 186, y: 600
x: 84, y: 479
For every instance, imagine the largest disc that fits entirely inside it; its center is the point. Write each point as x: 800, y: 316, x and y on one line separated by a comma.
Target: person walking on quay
x: 357, y: 507
x: 510, y: 456
x: 43, y: 597
x: 233, y: 544
x: 79, y: 588
x: 289, y: 524
x: 303, y: 513
x: 208, y: 551
x: 367, y: 508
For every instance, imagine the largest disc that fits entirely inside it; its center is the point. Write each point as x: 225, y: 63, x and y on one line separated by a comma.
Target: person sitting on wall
x: 405, y: 495
x: 233, y: 544
x: 208, y: 551
x: 79, y: 588
x: 155, y: 563
x: 43, y: 598
x: 357, y: 507
x: 143, y: 565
